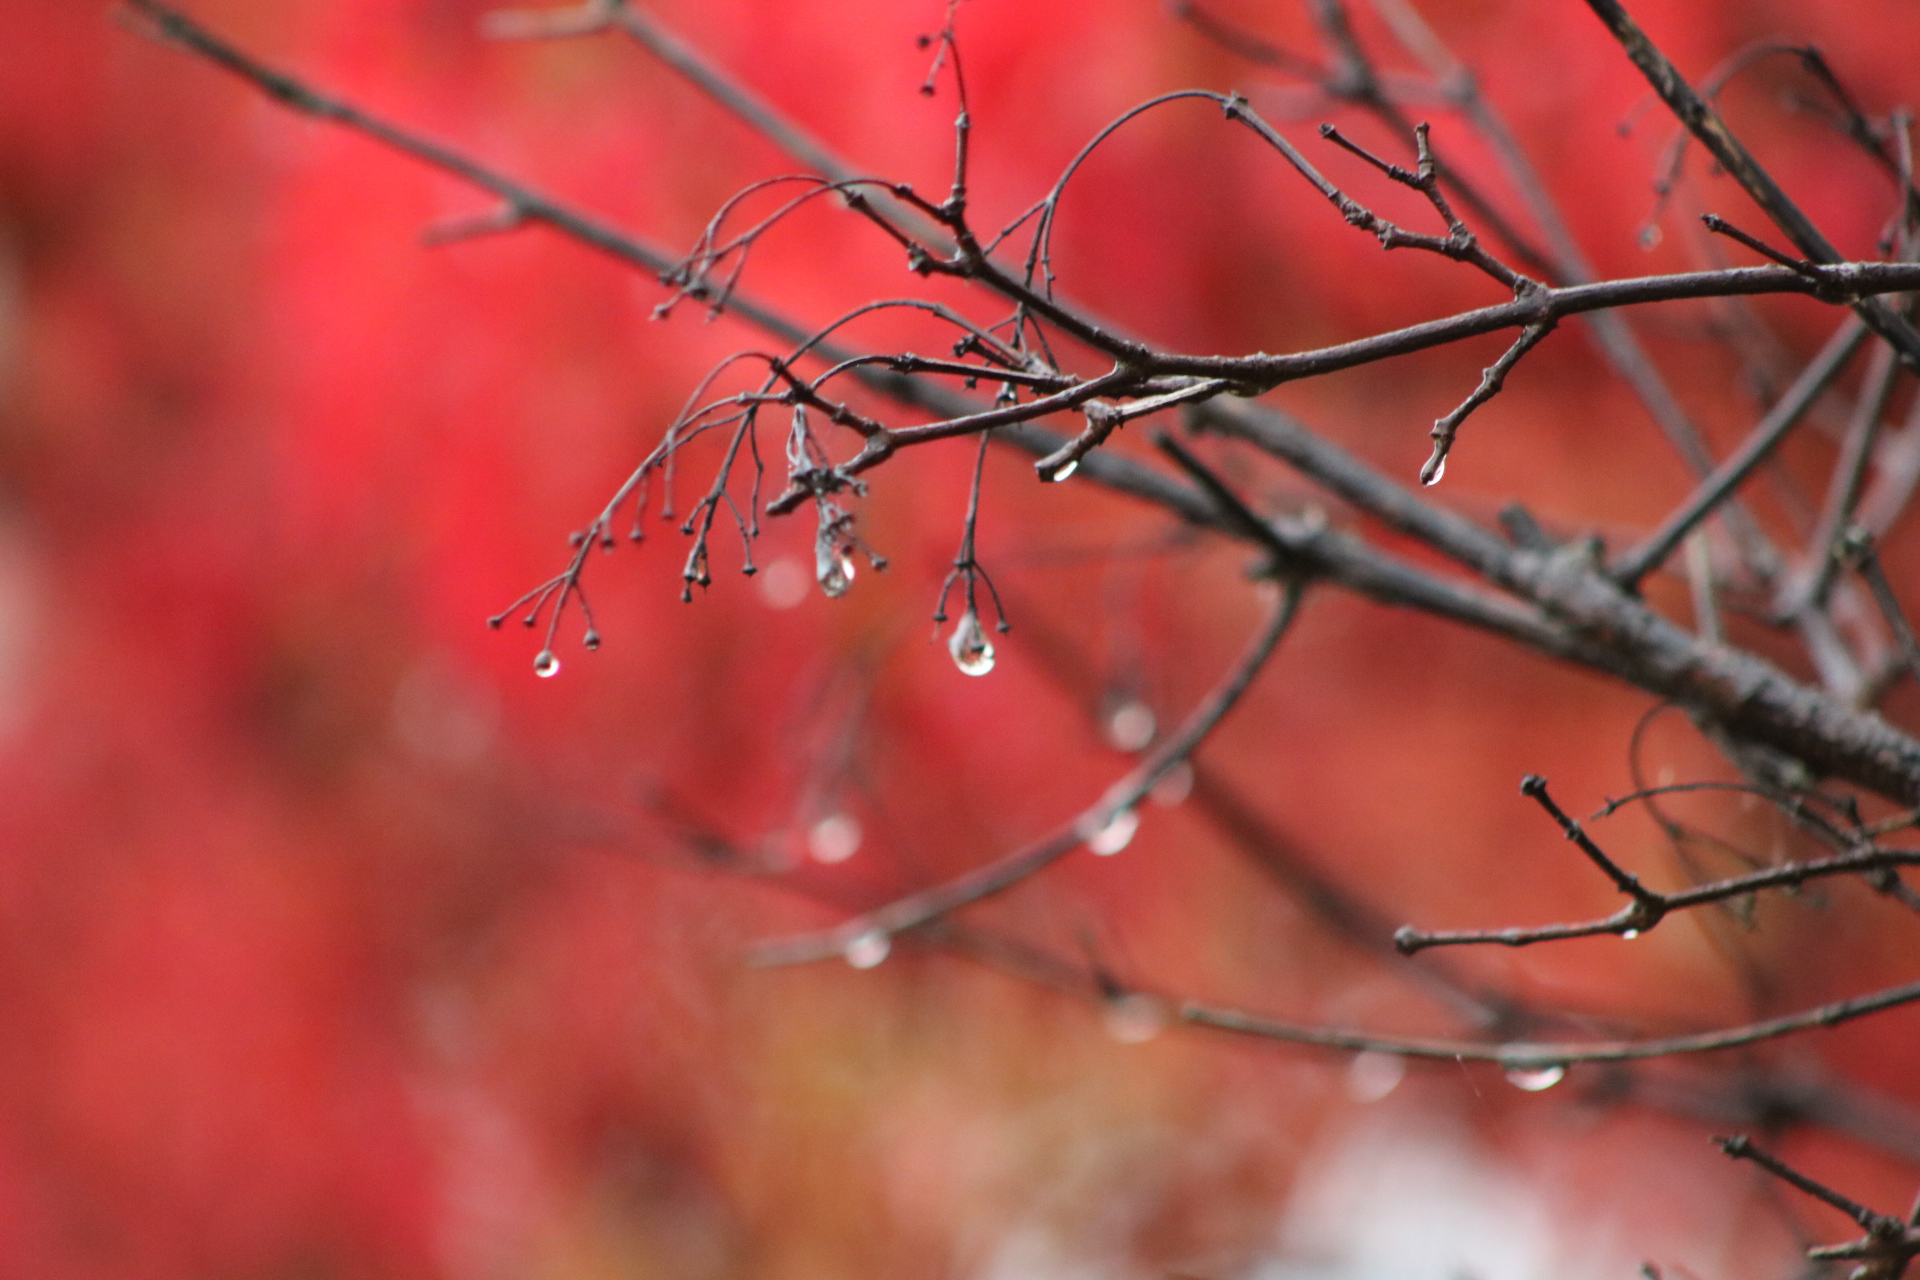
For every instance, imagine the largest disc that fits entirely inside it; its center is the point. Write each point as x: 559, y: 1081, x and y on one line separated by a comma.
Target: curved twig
x: 918, y: 909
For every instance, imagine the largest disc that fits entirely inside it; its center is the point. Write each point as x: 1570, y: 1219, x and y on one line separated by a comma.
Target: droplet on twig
x: 1065, y: 470
x: 1629, y: 934
x: 834, y: 838
x: 546, y: 665
x: 1536, y: 1079
x: 1373, y: 1074
x: 1116, y: 835
x: 1436, y: 469
x: 972, y: 651
x: 869, y: 949
x: 1136, y: 1017
x: 1131, y: 726
x: 833, y: 567
x: 1650, y: 236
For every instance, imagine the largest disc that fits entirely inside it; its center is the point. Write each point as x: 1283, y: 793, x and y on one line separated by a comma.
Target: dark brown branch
x: 1589, y: 620
x: 1563, y: 264
x: 1632, y: 920
x: 1720, y: 226
x: 1705, y: 123
x: 1889, y: 1244
x: 1491, y: 381
x: 1528, y: 1054
x: 1572, y: 613
x: 1534, y: 787
x: 1739, y: 1147
x: 1459, y: 244
x: 1264, y: 372
x: 1355, y: 82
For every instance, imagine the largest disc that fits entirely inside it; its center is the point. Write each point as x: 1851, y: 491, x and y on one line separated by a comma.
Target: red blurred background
x: 334, y: 943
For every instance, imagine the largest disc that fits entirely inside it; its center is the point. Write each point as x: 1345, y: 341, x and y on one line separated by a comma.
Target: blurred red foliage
x: 334, y: 943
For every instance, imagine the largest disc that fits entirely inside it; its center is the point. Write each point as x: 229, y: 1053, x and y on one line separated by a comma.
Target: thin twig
x: 1534, y: 1055
x: 1631, y: 920
x: 1858, y: 548
x: 1705, y: 123
x: 1786, y: 412
x: 1491, y: 381
x: 1849, y: 475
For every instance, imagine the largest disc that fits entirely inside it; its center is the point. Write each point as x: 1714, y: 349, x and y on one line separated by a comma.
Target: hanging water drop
x: 1436, y: 469
x: 1629, y: 934
x: 1065, y: 470
x: 1135, y: 1018
x: 869, y: 949
x: 591, y: 640
x: 834, y: 838
x: 972, y: 651
x: 1131, y: 726
x: 1536, y: 1079
x: 1374, y: 1074
x: 833, y: 567
x: 546, y: 665
x: 1650, y: 236
x: 1116, y: 835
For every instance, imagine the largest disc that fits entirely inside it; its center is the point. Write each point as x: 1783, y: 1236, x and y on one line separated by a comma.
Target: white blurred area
x: 1394, y: 1190
x: 1400, y: 1194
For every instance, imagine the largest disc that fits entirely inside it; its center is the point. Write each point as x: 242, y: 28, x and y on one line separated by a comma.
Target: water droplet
x: 1535, y: 1079
x: 546, y: 665
x: 1630, y: 934
x: 1436, y: 469
x: 1131, y: 726
x: 1373, y: 1075
x: 591, y: 640
x: 833, y: 567
x: 1116, y: 835
x: 1066, y: 471
x: 869, y: 949
x: 834, y: 838
x: 972, y: 651
x: 1135, y: 1018
x: 1175, y: 787
x: 1650, y: 236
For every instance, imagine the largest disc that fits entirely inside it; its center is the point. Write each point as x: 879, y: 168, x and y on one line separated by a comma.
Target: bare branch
x: 1534, y: 1055
x: 1705, y: 123
x: 1760, y: 442
x: 1857, y: 547
x: 1824, y: 551
x: 1491, y: 381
